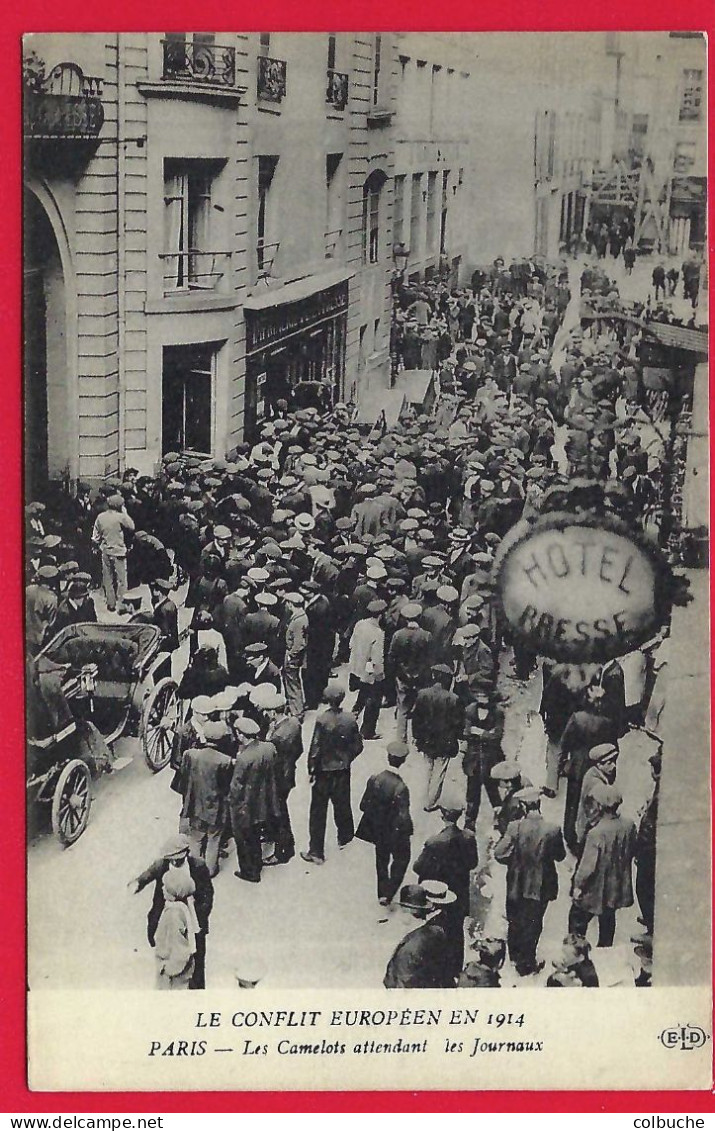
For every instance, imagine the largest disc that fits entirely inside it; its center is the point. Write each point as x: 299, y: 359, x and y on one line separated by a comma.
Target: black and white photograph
x: 366, y: 512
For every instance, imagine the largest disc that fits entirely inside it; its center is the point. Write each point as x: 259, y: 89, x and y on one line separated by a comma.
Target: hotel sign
x: 580, y: 589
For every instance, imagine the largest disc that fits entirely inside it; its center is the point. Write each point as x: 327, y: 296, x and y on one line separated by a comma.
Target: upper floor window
x: 331, y: 52
x: 376, y: 68
x: 191, y: 259
x: 692, y: 96
x: 264, y: 43
x: 266, y: 244
x: 371, y: 217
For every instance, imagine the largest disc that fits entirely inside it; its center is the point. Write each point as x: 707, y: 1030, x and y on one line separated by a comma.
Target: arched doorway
x: 47, y: 406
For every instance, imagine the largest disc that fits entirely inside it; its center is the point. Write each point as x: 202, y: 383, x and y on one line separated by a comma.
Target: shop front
x: 295, y: 346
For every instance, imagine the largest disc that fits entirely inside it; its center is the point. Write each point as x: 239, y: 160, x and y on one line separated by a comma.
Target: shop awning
x: 297, y: 290
x: 679, y: 337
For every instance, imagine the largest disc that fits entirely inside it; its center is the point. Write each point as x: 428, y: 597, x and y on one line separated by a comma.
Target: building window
x: 361, y: 347
x: 333, y: 204
x: 415, y: 213
x: 684, y: 157
x: 376, y: 65
x: 371, y: 195
x: 331, y: 52
x: 443, y: 214
x: 188, y: 392
x: 266, y: 245
x: 692, y: 96
x: 431, y: 211
x: 398, y: 211
x: 190, y: 260
x: 264, y: 43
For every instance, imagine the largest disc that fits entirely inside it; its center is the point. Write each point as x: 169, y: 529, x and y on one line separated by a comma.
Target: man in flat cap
x: 75, y: 605
x: 335, y: 745
x: 176, y: 857
x: 603, y: 881
x: 437, y: 729
x: 367, y: 666
x: 320, y: 645
x: 296, y: 644
x: 285, y: 733
x: 109, y: 534
x: 602, y: 762
x: 530, y: 848
x: 205, y: 777
x: 165, y: 613
x: 41, y: 603
x: 409, y: 658
x: 386, y: 823
x: 254, y: 798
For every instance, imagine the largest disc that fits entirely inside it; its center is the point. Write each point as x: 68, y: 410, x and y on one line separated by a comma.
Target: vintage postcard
x: 366, y: 560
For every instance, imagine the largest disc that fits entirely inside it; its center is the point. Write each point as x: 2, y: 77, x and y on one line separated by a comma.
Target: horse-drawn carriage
x: 89, y: 686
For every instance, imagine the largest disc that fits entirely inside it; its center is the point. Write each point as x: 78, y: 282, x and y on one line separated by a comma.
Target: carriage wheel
x: 71, y: 802
x: 159, y: 722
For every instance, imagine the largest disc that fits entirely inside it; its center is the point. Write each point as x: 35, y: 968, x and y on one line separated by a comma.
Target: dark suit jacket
x: 254, y: 797
x: 449, y: 856
x: 530, y: 848
x: 437, y: 722
x: 386, y: 810
x: 409, y: 655
x: 287, y: 737
x: 583, y: 731
x: 203, y: 896
x: 205, y: 778
x: 603, y: 877
x: 336, y: 742
x: 166, y: 616
x: 418, y: 962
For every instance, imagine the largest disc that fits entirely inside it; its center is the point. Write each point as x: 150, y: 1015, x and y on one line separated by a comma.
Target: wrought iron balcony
x: 336, y: 93
x: 332, y: 239
x: 271, y: 85
x: 192, y: 62
x: 193, y: 270
x: 68, y: 106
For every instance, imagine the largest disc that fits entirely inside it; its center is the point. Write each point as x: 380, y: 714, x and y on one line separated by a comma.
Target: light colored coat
x: 367, y: 651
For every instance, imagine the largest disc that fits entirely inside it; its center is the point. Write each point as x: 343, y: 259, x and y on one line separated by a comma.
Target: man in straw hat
x: 418, y: 961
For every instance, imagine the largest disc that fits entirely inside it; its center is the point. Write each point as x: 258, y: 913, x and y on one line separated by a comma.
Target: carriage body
x: 91, y: 684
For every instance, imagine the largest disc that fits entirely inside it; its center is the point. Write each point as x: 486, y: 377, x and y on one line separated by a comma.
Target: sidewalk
x: 683, y: 886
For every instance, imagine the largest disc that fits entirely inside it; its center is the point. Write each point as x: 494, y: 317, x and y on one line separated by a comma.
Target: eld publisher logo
x: 684, y: 1037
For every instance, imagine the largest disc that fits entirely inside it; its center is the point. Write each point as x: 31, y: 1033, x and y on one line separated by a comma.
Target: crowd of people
x: 338, y: 578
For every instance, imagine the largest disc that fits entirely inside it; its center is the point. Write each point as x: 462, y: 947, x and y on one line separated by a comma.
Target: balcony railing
x: 336, y: 93
x: 199, y: 62
x: 265, y: 257
x: 193, y: 270
x: 67, y: 107
x: 271, y: 86
x: 332, y: 239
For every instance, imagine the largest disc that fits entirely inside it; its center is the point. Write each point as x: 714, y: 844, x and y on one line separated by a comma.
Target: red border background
x: 297, y: 15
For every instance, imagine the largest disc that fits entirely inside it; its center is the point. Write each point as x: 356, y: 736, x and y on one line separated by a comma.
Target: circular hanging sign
x: 581, y: 588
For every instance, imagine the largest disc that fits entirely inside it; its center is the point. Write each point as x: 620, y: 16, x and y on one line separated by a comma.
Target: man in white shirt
x: 109, y: 536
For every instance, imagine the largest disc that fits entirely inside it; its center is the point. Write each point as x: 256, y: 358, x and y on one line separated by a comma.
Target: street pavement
x: 303, y: 925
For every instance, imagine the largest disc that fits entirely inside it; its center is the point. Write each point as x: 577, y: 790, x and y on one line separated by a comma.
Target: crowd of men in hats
x: 321, y: 561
